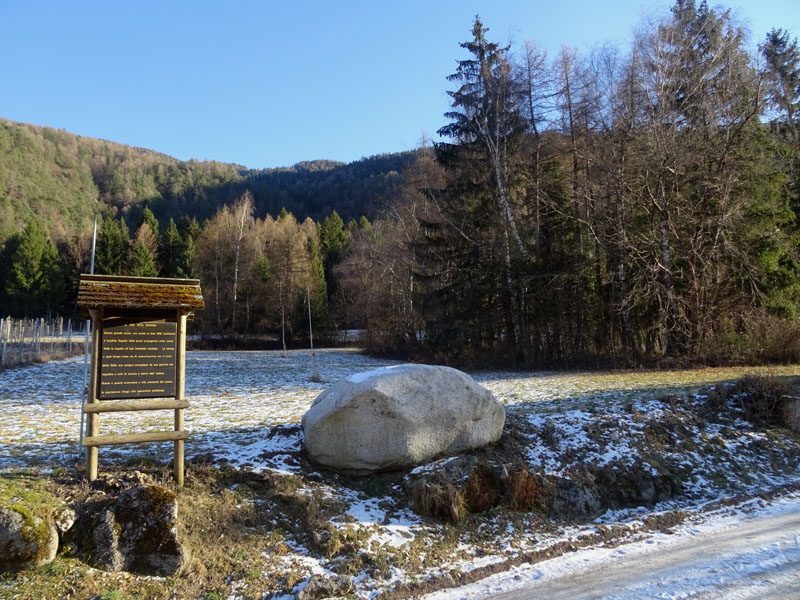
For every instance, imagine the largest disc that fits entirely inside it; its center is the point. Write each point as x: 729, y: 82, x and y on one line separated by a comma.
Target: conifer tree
x: 112, y: 247
x: 34, y: 284
x: 487, y: 256
x: 171, y: 252
x: 141, y: 262
x: 149, y: 218
x: 332, y: 241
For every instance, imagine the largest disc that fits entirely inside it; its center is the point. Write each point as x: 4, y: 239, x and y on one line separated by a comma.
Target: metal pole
x: 283, y: 332
x: 310, y: 334
x: 86, y: 344
x: 314, y: 374
x: 3, y: 333
x: 94, y: 243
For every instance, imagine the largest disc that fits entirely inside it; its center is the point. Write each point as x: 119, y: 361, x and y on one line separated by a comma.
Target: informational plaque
x: 138, y: 360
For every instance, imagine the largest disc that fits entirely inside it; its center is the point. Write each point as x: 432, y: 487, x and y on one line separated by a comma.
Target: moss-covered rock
x: 139, y: 533
x: 27, y: 541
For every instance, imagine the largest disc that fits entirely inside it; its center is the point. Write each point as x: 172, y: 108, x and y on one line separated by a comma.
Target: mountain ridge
x: 55, y: 176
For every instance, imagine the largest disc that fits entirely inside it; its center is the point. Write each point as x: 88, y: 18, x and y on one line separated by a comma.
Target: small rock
x: 790, y: 413
x: 574, y: 500
x: 320, y: 586
x: 148, y: 518
x: 105, y: 538
x: 26, y: 540
x: 64, y: 519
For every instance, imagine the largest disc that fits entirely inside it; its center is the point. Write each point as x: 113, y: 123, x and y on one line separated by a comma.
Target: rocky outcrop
x: 398, y: 417
x: 26, y: 540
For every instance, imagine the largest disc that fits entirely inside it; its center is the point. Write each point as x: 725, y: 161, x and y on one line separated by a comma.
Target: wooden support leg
x: 93, y: 420
x: 178, y: 459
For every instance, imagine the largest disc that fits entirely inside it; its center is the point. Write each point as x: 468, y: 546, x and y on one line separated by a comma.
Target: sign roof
x: 119, y: 292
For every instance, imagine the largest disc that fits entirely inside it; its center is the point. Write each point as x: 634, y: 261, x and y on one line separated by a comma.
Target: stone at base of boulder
x: 26, y: 540
x: 64, y: 519
x: 105, y: 538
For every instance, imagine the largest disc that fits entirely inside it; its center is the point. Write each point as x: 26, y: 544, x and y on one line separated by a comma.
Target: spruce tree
x: 149, y: 218
x: 112, y: 247
x: 141, y: 262
x: 170, y: 252
x: 474, y: 276
x: 332, y: 239
x: 34, y: 284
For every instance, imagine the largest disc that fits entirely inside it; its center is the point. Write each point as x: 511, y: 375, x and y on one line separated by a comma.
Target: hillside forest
x: 620, y: 206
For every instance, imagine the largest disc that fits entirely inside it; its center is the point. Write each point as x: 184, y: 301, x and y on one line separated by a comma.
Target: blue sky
x: 269, y: 83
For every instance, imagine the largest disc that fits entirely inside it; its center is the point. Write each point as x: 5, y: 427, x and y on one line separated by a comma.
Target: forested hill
x: 55, y: 176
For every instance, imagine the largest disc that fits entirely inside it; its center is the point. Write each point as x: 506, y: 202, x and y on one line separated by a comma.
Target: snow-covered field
x: 245, y: 408
x: 235, y: 395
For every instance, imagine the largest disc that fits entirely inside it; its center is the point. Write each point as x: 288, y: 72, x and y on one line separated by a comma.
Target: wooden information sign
x: 138, y: 360
x: 138, y: 352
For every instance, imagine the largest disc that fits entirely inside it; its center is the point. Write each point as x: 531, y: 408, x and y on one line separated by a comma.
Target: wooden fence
x: 24, y: 341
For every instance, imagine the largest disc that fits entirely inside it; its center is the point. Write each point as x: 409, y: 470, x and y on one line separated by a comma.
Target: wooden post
x: 92, y: 419
x: 180, y: 377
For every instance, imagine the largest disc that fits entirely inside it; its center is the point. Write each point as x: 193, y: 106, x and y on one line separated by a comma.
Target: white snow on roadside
x: 748, y: 567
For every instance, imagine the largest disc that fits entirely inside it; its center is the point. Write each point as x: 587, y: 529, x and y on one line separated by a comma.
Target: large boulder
x: 398, y: 417
x: 26, y: 540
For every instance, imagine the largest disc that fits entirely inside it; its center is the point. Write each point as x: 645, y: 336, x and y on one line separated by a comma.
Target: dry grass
x: 235, y: 525
x: 440, y: 498
x: 758, y: 397
x: 523, y: 490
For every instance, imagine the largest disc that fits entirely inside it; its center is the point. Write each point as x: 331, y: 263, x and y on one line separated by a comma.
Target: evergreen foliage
x: 33, y: 284
x: 113, y: 241
x: 141, y: 262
